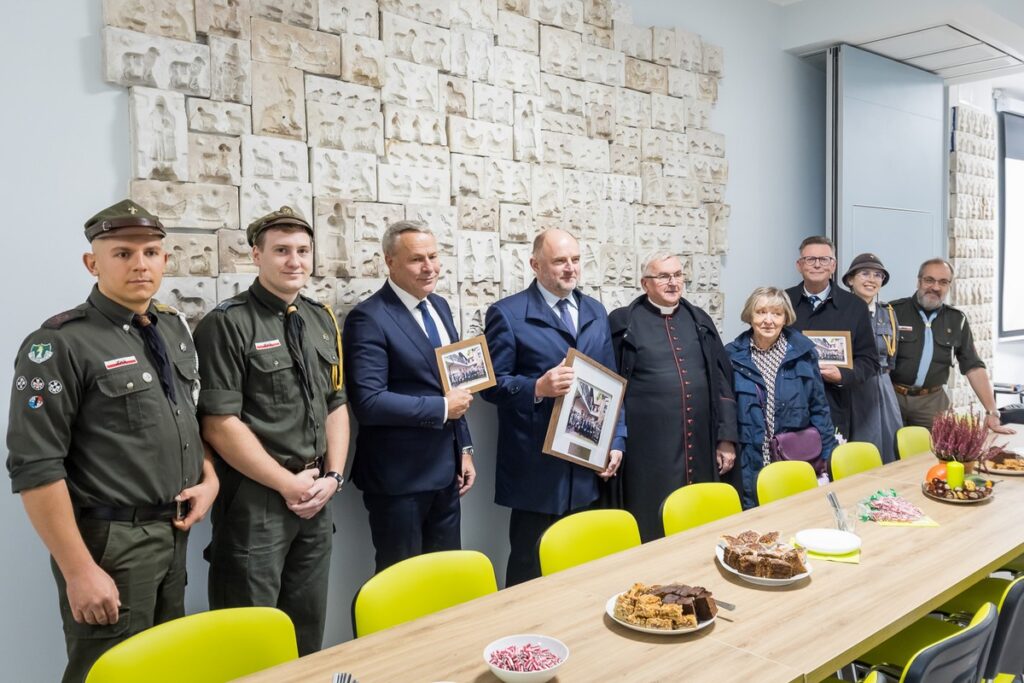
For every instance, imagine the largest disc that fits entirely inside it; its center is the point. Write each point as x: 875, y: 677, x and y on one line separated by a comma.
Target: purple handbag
x: 804, y: 445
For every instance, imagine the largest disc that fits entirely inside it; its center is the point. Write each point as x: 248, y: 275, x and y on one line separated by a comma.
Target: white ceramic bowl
x: 556, y: 646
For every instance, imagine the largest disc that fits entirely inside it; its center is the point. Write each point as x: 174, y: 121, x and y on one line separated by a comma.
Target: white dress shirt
x: 552, y: 301
x: 411, y: 302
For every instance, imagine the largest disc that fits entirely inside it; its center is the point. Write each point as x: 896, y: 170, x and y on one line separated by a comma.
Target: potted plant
x: 959, y: 438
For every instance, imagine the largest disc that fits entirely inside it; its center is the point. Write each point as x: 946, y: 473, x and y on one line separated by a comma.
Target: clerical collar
x: 664, y: 310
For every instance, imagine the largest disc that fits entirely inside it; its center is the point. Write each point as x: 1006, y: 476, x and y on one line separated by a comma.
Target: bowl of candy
x: 525, y: 658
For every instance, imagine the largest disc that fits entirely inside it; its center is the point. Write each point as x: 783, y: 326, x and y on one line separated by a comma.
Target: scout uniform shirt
x: 248, y: 372
x: 951, y: 338
x: 87, y: 406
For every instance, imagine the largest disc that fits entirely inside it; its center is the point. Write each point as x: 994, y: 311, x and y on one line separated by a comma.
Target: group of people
x: 124, y: 432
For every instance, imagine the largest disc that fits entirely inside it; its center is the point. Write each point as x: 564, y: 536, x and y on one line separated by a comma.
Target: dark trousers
x: 524, y: 531
x: 147, y: 563
x: 264, y: 555
x: 408, y: 525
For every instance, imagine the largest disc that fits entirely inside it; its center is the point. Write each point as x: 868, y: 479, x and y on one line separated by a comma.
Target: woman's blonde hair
x: 773, y: 297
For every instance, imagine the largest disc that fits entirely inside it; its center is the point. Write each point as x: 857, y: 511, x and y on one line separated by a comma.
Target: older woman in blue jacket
x: 777, y: 382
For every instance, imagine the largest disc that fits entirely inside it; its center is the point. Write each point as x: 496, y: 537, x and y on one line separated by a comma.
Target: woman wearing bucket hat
x: 876, y: 414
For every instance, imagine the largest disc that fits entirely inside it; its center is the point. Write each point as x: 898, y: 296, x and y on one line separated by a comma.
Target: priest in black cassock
x: 680, y: 408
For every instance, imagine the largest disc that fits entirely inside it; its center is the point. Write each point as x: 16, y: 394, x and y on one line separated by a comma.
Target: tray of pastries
x: 762, y: 559
x: 1004, y: 462
x: 663, y: 609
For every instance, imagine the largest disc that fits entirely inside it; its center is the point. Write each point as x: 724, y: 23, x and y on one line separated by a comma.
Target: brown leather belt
x: 911, y: 391
x: 295, y: 465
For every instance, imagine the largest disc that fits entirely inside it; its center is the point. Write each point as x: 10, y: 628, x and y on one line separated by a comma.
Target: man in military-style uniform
x: 104, y: 446
x: 273, y: 408
x: 932, y: 334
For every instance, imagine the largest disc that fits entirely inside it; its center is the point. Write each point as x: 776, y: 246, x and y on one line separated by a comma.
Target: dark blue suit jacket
x: 395, y: 391
x: 526, y: 339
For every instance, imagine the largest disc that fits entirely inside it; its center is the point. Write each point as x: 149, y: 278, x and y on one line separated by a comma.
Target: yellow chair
x: 586, y: 536
x: 209, y: 647
x: 420, y: 586
x: 954, y: 658
x: 913, y: 441
x: 853, y: 457
x: 782, y: 479
x: 698, y: 504
x: 960, y: 656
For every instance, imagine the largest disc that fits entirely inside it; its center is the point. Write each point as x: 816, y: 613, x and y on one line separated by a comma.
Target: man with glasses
x: 822, y: 307
x: 679, y: 401
x: 931, y: 335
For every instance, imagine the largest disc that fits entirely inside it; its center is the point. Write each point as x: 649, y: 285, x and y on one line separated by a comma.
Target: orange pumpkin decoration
x: 937, y: 471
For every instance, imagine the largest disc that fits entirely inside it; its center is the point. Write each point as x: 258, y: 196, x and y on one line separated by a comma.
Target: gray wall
x: 66, y: 155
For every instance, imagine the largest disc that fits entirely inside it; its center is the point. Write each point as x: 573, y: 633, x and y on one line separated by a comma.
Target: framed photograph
x: 583, y: 421
x: 466, y: 365
x: 834, y: 347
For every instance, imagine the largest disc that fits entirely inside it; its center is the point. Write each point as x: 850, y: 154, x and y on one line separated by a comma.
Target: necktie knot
x: 142, y: 320
x: 815, y: 300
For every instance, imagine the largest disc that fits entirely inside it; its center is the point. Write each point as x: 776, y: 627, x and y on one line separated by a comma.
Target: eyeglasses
x: 931, y: 282
x: 817, y: 260
x: 665, y: 278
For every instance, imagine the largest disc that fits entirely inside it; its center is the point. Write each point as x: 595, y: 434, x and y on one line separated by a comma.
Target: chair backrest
x: 958, y: 658
x: 586, y: 536
x: 420, y: 586
x: 853, y: 457
x: 1007, y: 655
x: 913, y: 441
x: 209, y: 647
x: 698, y: 504
x: 781, y: 479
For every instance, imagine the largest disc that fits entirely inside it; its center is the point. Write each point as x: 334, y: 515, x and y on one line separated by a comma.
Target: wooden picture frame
x: 583, y: 421
x: 466, y: 365
x: 834, y: 347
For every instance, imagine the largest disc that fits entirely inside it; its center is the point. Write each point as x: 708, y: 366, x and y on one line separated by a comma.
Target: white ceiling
x: 946, y: 51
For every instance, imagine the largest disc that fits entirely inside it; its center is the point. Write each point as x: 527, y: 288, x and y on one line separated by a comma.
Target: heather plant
x: 959, y: 437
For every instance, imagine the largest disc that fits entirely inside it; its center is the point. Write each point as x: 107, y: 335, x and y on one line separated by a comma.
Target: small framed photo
x: 466, y: 365
x: 583, y: 421
x: 834, y: 346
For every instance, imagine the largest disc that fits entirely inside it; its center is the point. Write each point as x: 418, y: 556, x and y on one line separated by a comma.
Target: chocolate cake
x: 761, y: 555
x: 669, y: 607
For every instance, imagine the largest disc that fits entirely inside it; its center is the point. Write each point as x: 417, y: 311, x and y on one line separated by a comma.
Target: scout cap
x: 862, y: 261
x: 124, y: 219
x: 285, y: 217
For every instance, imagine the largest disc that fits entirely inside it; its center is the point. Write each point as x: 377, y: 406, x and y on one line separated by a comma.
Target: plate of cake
x: 663, y: 609
x: 762, y: 560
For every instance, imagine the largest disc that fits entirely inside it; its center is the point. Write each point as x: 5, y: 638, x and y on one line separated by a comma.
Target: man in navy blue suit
x: 414, y: 456
x: 529, y: 335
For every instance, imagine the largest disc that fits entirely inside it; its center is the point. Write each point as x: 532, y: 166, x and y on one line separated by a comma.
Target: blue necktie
x: 815, y: 301
x: 428, y: 324
x: 563, y: 310
x: 928, y: 351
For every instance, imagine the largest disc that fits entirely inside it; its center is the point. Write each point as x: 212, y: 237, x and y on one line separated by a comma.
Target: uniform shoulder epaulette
x: 165, y: 308
x: 57, y: 321
x: 311, y: 301
x: 228, y: 304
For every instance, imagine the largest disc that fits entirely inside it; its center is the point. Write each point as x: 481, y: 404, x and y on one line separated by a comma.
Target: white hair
x: 654, y: 257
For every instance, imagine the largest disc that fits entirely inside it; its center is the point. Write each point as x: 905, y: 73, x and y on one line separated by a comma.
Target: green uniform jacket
x: 952, y: 338
x: 248, y: 372
x: 87, y: 406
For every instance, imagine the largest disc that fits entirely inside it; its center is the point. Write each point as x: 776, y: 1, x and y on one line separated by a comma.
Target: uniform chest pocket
x: 189, y: 376
x: 131, y: 398
x: 270, y: 373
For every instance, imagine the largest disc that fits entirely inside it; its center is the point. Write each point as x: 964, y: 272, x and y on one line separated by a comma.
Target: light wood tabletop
x: 804, y: 631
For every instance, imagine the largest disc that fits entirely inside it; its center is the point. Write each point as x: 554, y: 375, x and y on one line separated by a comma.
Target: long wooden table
x: 802, y: 632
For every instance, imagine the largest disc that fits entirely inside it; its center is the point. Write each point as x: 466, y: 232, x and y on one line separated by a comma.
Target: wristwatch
x: 994, y: 413
x: 468, y: 450
x: 337, y: 477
